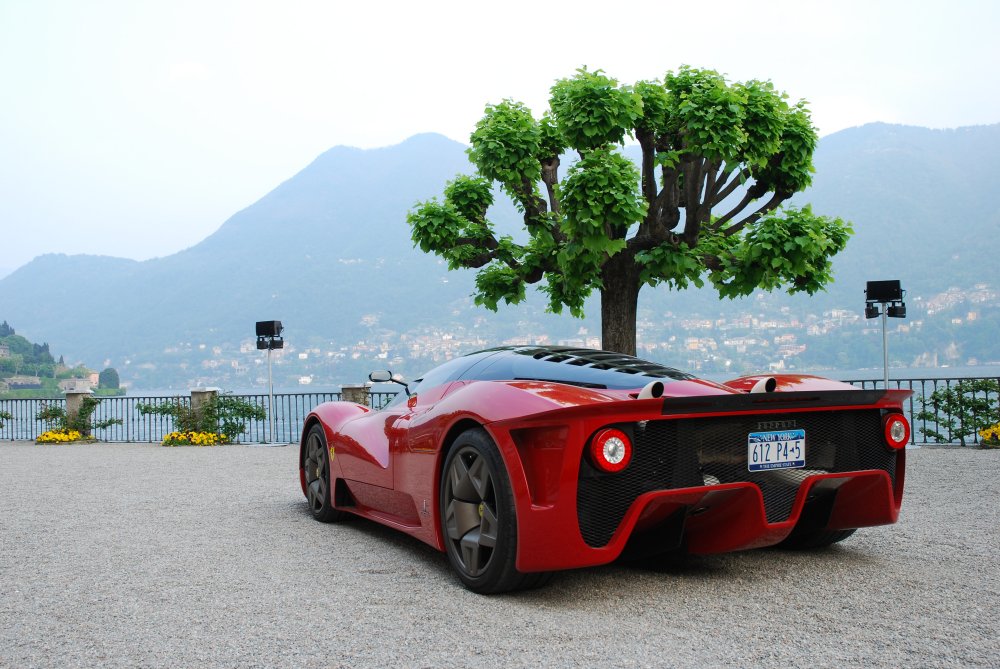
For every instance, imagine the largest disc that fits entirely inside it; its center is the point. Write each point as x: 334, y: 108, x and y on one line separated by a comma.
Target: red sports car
x: 520, y: 461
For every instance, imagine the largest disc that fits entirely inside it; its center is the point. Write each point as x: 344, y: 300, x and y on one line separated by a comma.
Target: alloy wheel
x: 471, y: 516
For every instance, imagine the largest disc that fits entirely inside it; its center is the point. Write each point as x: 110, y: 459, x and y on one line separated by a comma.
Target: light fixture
x: 885, y: 299
x: 269, y: 339
x: 611, y: 450
x: 897, y: 431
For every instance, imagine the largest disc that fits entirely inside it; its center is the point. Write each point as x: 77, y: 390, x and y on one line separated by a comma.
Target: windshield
x: 440, y: 375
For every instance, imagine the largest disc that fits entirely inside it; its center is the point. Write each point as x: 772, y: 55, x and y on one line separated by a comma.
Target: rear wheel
x: 478, y: 517
x: 316, y: 464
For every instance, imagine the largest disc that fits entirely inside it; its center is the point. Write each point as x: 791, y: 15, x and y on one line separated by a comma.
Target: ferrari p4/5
x: 521, y: 461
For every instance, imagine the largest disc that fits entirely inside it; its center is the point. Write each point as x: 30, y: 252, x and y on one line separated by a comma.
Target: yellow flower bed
x: 59, y: 436
x: 990, y: 436
x: 194, y: 439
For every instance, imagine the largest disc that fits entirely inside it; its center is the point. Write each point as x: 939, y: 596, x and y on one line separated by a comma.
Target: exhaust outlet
x: 765, y: 385
x: 652, y: 390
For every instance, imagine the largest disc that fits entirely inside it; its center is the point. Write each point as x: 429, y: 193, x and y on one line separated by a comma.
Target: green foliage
x: 436, y: 226
x: 498, y: 282
x: 552, y: 144
x: 31, y: 357
x: 601, y: 199
x: 591, y: 110
x: 223, y: 414
x: 471, y: 197
x: 506, y: 144
x: 680, y: 266
x: 108, y: 379
x: 3, y: 414
x: 56, y: 417
x: 611, y: 226
x: 706, y: 115
x: 790, y: 168
x: 655, y: 107
x: 961, y: 410
x: 794, y: 250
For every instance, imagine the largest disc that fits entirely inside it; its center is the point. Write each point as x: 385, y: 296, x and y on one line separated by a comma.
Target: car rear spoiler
x: 722, y: 404
x: 796, y: 399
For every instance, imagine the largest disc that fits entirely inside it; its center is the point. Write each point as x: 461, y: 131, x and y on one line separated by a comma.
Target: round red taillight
x: 610, y: 450
x: 897, y: 431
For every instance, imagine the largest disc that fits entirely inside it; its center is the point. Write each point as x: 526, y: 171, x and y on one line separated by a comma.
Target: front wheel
x: 316, y: 465
x: 478, y: 517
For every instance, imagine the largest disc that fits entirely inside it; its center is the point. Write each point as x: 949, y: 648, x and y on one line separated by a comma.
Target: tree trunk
x: 619, y: 298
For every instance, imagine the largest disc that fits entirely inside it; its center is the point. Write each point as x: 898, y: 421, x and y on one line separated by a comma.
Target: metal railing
x: 291, y: 409
x: 920, y: 399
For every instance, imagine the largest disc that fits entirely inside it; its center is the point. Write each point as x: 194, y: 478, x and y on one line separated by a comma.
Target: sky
x: 135, y: 128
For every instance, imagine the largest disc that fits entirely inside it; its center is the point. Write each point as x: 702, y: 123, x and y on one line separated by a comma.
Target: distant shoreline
x: 990, y: 370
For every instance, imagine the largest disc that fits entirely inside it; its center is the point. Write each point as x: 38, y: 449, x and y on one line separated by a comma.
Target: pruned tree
x: 109, y: 379
x: 718, y: 159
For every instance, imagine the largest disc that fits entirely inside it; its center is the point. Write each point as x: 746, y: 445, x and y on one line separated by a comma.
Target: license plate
x: 780, y: 449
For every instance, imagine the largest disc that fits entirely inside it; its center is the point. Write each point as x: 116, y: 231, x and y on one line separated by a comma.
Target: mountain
x: 328, y: 252
x: 923, y: 201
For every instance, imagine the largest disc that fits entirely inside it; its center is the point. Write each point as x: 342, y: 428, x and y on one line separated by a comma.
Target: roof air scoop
x: 652, y: 390
x: 766, y: 385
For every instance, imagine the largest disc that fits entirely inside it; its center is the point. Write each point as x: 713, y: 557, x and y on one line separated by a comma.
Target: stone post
x: 200, y: 397
x: 74, y: 402
x: 357, y: 393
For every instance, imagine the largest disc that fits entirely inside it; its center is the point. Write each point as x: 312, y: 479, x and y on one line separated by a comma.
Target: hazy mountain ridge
x: 329, y: 253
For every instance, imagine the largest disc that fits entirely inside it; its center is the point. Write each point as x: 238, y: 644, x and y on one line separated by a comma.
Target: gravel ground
x: 143, y: 556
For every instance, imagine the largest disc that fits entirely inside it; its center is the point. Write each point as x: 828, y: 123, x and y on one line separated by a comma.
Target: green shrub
x: 223, y: 414
x: 961, y: 410
x: 56, y: 416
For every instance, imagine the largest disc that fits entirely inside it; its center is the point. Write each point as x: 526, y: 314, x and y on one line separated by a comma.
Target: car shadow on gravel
x: 388, y: 539
x: 568, y: 587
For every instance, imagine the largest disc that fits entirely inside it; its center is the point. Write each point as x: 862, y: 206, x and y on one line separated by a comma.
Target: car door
x: 362, y: 446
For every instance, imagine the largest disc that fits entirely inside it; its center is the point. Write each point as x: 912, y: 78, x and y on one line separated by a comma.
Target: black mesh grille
x: 685, y: 453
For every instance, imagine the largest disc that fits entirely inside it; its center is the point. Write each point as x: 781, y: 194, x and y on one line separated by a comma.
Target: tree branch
x: 771, y: 204
x: 645, y: 138
x: 550, y: 176
x: 477, y: 261
x: 727, y: 190
x: 535, y: 209
x: 711, y: 174
x: 693, y: 183
x: 488, y: 242
x: 637, y: 244
x: 747, y: 199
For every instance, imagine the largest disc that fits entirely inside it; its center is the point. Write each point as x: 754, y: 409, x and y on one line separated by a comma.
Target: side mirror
x: 385, y: 376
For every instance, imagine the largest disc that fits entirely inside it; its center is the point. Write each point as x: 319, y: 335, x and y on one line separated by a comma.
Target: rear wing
x: 796, y: 399
x: 722, y: 404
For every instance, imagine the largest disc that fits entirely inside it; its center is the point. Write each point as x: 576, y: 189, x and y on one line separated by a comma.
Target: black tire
x: 814, y: 539
x: 478, y: 519
x: 316, y: 465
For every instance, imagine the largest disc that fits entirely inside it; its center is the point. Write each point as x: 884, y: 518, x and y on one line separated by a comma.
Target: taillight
x: 610, y: 450
x: 897, y: 431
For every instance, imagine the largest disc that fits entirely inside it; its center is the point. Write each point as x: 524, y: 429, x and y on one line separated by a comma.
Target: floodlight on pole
x: 885, y: 299
x: 269, y: 338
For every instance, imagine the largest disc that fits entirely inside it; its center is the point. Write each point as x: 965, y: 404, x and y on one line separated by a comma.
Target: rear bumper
x: 715, y: 519
x: 567, y: 519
